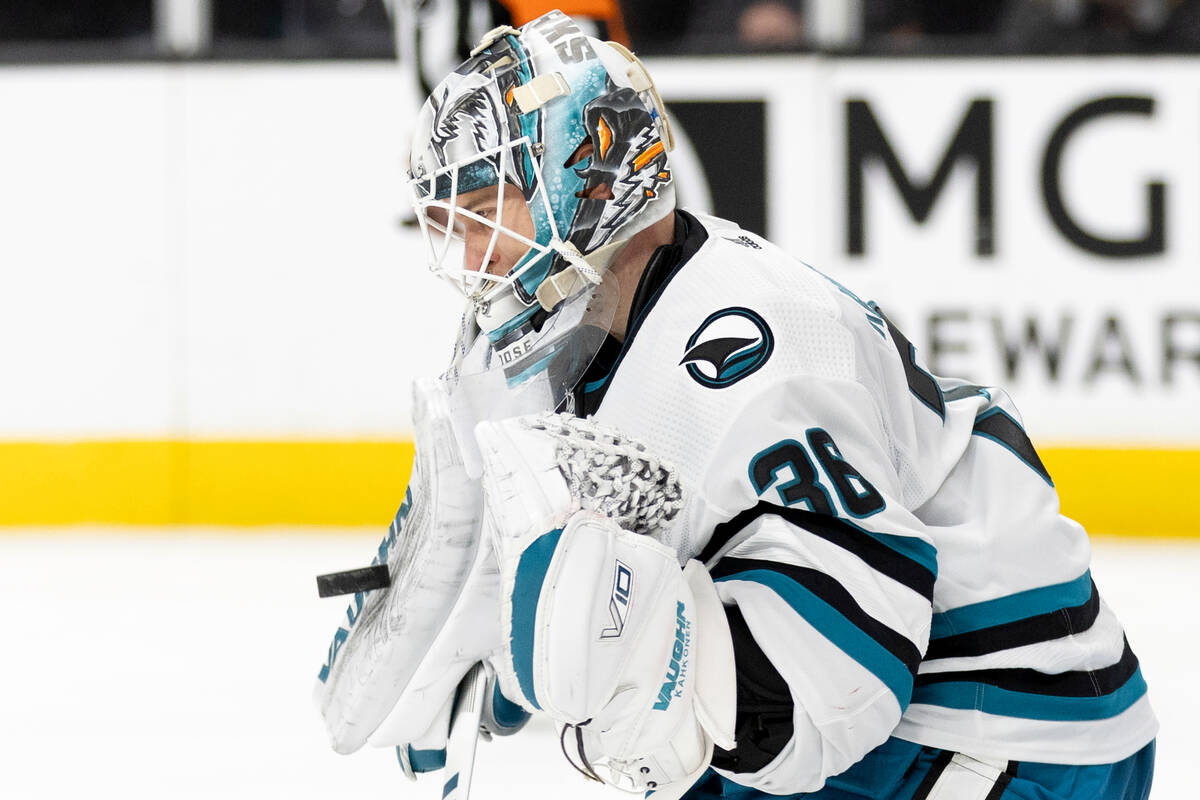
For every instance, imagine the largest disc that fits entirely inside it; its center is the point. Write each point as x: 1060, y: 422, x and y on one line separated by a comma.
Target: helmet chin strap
x: 581, y: 272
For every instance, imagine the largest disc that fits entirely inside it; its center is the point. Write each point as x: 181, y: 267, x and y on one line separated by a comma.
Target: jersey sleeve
x: 827, y: 580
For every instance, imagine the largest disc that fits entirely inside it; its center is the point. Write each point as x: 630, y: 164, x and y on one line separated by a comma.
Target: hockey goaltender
x: 703, y: 506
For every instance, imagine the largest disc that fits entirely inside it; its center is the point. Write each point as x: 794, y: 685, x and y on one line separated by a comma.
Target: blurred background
x: 213, y: 303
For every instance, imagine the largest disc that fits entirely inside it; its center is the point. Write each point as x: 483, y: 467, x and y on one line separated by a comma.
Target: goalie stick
x: 352, y: 581
x: 464, y: 734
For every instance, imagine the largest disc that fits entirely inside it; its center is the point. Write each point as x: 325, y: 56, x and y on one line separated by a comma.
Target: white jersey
x: 891, y: 538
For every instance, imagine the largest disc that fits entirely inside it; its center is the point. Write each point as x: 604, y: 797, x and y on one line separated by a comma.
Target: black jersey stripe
x: 850, y: 537
x: 922, y: 385
x: 1076, y: 696
x: 833, y: 594
x: 997, y: 425
x: 1031, y: 630
x: 1078, y: 683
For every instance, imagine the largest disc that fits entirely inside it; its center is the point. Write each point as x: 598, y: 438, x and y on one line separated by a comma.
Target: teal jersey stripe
x: 847, y: 636
x: 970, y: 695
x: 1002, y: 610
x: 527, y: 590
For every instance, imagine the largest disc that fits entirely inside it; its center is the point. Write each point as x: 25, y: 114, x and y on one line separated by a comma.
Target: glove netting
x: 612, y: 474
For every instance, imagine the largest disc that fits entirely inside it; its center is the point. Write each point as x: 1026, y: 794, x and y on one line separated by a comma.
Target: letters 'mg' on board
x: 973, y: 144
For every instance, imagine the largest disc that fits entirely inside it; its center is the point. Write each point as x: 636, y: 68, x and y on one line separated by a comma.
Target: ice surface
x: 159, y: 663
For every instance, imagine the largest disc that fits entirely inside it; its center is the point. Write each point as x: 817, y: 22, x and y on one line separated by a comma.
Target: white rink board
x: 162, y: 663
x: 85, y: 251
x: 1120, y: 376
x: 214, y: 250
x: 221, y: 254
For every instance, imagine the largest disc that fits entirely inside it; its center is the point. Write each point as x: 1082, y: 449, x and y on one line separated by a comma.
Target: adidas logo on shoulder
x: 744, y: 241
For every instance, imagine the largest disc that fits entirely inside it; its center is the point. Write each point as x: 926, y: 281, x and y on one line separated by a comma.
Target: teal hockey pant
x: 900, y: 770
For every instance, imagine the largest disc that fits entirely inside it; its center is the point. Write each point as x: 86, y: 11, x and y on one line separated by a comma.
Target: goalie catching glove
x: 600, y: 628
x: 400, y: 651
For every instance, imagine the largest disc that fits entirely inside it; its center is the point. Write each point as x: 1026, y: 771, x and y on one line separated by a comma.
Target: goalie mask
x: 499, y: 179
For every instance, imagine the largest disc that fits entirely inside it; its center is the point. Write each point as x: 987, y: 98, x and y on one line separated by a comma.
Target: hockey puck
x: 353, y: 581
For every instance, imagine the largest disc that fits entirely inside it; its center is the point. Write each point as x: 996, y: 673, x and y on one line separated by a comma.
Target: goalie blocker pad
x: 606, y: 632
